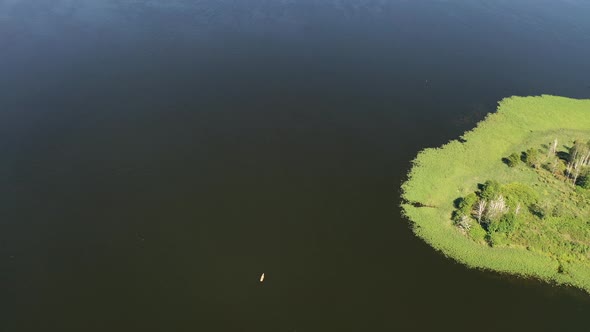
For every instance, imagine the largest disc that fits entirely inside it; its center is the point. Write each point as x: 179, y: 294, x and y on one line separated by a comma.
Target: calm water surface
x: 158, y: 156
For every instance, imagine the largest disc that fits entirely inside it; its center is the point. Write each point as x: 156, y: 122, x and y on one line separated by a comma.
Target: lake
x: 159, y: 156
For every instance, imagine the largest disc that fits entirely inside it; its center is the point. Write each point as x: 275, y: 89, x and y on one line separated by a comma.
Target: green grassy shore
x: 543, y: 229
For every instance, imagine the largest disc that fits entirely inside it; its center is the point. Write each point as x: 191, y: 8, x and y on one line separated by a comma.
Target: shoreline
x: 439, y: 175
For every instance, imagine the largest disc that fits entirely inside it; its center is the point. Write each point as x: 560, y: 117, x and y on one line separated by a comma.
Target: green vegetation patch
x: 514, y: 194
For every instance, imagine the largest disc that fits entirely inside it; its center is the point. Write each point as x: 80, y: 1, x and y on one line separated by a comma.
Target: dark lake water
x: 158, y: 156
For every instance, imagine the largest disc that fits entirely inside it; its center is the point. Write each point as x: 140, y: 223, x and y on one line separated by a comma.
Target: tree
x: 466, y: 204
x: 580, y: 152
x: 553, y: 148
x: 480, y: 209
x: 496, y: 208
x: 579, y: 158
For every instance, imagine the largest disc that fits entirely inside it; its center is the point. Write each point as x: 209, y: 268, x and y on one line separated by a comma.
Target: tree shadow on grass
x: 563, y: 155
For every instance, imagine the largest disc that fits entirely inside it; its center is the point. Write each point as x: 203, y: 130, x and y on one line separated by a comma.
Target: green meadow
x: 512, y: 195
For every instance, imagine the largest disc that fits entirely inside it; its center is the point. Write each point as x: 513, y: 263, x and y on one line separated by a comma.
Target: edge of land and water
x: 439, y: 176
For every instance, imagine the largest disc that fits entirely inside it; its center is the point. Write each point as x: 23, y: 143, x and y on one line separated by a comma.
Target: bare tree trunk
x: 576, y: 174
x: 480, y: 209
x: 553, y: 148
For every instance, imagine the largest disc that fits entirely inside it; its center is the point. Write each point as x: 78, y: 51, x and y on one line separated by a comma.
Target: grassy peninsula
x: 513, y: 194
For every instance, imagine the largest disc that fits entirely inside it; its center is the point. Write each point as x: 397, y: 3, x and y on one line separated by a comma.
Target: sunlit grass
x: 441, y: 175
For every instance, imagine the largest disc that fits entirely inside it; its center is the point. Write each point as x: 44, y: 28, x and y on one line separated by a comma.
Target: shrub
x: 505, y: 224
x: 533, y: 157
x: 477, y: 233
x: 456, y: 216
x: 490, y: 189
x: 466, y: 204
x: 557, y: 166
x: 495, y: 239
x: 513, y: 160
x: 538, y: 211
x: 519, y: 193
x: 584, y: 181
x: 464, y: 223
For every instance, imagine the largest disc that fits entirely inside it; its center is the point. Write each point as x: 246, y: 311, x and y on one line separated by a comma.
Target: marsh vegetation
x: 514, y: 195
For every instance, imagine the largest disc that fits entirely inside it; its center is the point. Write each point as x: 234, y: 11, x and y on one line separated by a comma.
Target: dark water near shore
x: 158, y: 156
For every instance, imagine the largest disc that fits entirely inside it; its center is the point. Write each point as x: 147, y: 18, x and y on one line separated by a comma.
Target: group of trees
x: 493, y: 212
x: 494, y: 209
x: 573, y: 166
